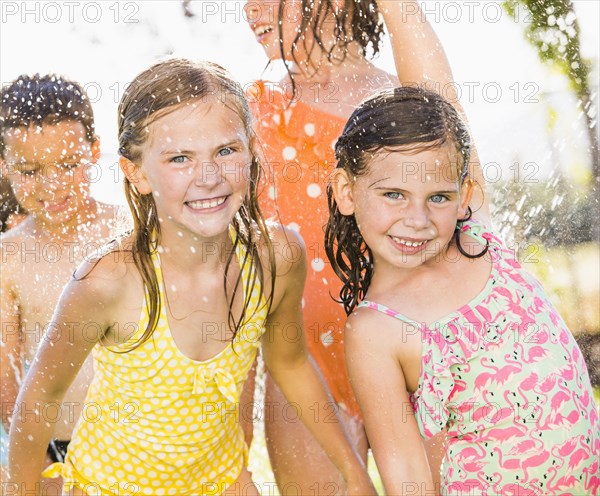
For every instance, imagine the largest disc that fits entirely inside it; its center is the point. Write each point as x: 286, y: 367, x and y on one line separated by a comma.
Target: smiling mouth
x: 52, y: 205
x: 206, y: 204
x: 410, y: 244
x: 262, y: 30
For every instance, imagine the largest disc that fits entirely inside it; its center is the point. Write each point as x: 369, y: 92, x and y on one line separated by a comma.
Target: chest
x: 203, y: 314
x: 39, y: 283
x: 435, y: 295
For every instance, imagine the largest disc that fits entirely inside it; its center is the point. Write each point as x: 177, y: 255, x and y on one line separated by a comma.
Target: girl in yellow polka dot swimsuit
x: 175, y: 311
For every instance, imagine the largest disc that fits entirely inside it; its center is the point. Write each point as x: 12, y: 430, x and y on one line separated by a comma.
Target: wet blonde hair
x: 160, y: 89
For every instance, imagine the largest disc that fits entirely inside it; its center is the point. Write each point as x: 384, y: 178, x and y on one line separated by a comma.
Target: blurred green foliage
x: 554, y: 31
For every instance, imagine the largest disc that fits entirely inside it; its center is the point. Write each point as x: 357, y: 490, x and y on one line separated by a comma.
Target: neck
x: 191, y: 253
x: 321, y: 70
x: 72, y: 229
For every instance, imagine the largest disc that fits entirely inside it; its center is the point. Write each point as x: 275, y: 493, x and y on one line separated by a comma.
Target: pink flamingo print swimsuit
x: 506, y: 379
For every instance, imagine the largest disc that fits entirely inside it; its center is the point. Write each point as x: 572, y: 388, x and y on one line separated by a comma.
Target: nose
x: 208, y: 174
x: 260, y: 10
x: 251, y: 11
x: 52, y: 177
x: 416, y: 216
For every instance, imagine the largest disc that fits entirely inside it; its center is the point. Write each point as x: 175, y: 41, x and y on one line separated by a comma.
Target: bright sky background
x: 101, y: 45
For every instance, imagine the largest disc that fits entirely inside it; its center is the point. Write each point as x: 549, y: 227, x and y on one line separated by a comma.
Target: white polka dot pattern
x: 157, y: 422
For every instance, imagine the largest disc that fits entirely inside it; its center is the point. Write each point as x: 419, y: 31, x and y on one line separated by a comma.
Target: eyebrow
x: 71, y: 158
x: 378, y: 181
x: 443, y: 192
x: 236, y: 141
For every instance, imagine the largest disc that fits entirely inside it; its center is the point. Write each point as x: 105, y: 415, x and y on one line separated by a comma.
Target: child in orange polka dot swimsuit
x: 324, y: 44
x: 175, y: 311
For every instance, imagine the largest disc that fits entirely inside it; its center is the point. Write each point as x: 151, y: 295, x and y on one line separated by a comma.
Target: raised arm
x: 420, y: 60
x: 64, y: 348
x: 418, y: 54
x: 296, y: 374
x: 378, y: 381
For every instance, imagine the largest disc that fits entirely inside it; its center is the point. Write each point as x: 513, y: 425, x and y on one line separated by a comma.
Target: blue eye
x: 393, y: 195
x: 179, y: 159
x: 223, y: 152
x: 439, y: 198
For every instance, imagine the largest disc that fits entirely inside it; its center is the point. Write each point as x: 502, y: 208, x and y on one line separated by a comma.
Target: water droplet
x: 317, y: 264
x: 313, y: 190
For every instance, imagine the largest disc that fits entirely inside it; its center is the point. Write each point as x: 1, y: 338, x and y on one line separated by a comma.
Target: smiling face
x: 263, y: 18
x: 196, y: 164
x: 406, y: 206
x: 46, y: 167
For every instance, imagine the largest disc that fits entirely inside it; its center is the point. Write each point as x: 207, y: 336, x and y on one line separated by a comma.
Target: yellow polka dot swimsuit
x: 159, y: 423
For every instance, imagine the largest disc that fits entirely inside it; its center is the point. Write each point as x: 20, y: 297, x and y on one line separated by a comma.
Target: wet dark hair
x: 8, y: 204
x: 37, y: 100
x: 160, y: 89
x: 403, y: 119
x: 358, y: 20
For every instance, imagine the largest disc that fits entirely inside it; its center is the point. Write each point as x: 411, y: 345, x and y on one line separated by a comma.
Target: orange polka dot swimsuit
x: 159, y: 423
x: 297, y: 142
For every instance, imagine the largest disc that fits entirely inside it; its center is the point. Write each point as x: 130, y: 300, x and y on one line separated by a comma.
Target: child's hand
x: 360, y: 484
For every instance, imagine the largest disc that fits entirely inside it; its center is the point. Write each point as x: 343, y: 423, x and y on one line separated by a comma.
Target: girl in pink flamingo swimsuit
x: 446, y: 330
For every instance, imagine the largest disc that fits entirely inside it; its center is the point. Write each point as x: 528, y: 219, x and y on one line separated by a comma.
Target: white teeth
x: 200, y: 204
x: 409, y: 243
x: 259, y: 31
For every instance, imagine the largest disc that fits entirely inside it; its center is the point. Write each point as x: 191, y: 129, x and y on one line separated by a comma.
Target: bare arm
x: 420, y: 60
x: 297, y: 376
x: 436, y: 448
x: 378, y: 381
x: 11, y: 358
x: 62, y: 352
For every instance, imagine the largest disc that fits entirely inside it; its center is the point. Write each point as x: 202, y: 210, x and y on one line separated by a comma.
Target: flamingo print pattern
x: 506, y: 379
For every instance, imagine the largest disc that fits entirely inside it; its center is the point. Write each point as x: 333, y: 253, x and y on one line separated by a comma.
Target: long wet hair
x: 406, y: 119
x: 163, y: 88
x: 358, y: 21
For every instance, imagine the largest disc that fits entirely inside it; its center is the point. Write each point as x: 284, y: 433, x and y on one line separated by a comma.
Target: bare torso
x: 35, y: 268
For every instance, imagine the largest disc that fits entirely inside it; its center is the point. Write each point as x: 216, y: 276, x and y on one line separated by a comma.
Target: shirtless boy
x: 47, y: 145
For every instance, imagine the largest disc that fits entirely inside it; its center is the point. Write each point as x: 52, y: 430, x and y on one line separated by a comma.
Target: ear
x: 135, y: 175
x: 466, y: 194
x: 96, y: 150
x: 7, y: 171
x: 341, y: 187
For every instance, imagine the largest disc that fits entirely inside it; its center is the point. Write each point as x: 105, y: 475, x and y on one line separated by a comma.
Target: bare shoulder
x: 19, y: 233
x: 13, y: 244
x: 380, y: 78
x: 107, y: 210
x: 362, y: 322
x: 288, y: 249
x: 287, y: 259
x: 109, y: 275
x: 288, y: 244
x: 375, y: 331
